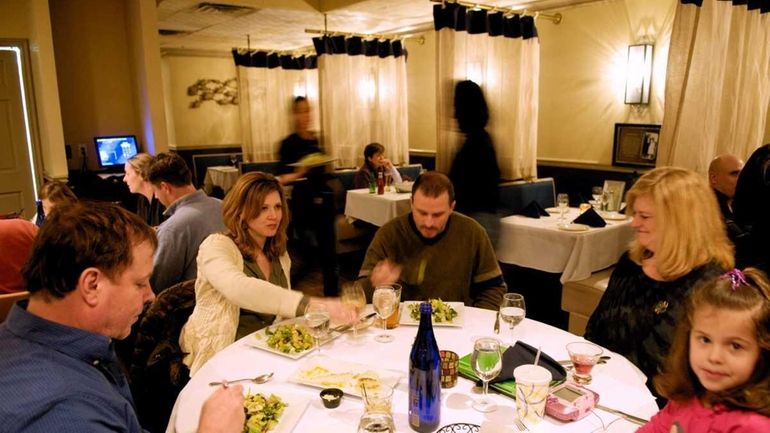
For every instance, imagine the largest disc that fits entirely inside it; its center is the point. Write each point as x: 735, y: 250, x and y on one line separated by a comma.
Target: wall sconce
x: 639, y: 74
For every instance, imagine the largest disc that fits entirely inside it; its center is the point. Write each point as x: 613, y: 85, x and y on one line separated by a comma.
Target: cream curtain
x: 717, y: 83
x: 268, y: 85
x: 502, y: 55
x: 363, y: 98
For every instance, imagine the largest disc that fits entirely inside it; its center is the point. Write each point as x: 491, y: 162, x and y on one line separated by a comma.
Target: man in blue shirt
x: 89, y: 280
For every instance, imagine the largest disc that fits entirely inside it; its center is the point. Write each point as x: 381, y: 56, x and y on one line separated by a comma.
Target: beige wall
x: 210, y: 124
x: 582, y: 76
x: 421, y: 82
x: 29, y: 20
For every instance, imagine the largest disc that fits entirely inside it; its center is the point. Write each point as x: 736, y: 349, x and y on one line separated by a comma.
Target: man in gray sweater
x: 191, y: 216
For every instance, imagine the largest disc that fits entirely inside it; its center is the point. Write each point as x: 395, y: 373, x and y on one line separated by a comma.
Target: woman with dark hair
x: 475, y: 173
x: 374, y: 161
x: 751, y: 207
x: 243, y: 274
x: 52, y: 194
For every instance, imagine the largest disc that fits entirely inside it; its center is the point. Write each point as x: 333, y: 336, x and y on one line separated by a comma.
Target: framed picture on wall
x: 635, y: 145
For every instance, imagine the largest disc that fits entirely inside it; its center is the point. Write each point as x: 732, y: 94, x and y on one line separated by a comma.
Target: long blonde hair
x: 244, y: 203
x: 690, y: 230
x: 141, y: 164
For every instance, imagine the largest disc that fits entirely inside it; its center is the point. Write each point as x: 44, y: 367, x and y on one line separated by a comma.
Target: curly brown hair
x: 244, y: 203
x: 678, y: 382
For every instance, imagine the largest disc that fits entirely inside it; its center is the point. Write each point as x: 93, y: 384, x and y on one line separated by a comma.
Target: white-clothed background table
x: 374, y: 208
x: 540, y: 244
x: 223, y: 176
x: 619, y: 384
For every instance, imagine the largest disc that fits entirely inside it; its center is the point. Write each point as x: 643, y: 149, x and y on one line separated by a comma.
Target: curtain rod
x: 420, y: 38
x: 554, y: 18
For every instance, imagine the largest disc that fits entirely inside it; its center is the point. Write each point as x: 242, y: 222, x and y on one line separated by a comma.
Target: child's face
x: 723, y: 347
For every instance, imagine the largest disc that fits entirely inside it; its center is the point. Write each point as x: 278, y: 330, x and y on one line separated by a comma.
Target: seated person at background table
x: 717, y: 374
x: 190, y: 214
x: 16, y: 238
x: 52, y: 194
x: 434, y: 252
x: 147, y: 205
x: 89, y: 277
x: 243, y: 274
x: 680, y: 240
x: 313, y: 206
x: 374, y: 161
x: 751, y: 207
x: 723, y: 176
x: 475, y: 173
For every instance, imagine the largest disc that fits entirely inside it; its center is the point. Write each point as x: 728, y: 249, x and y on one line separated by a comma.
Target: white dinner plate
x: 295, y: 407
x: 324, y: 372
x: 259, y: 339
x: 613, y: 216
x: 406, y: 318
x: 553, y: 210
x: 314, y: 161
x: 572, y: 227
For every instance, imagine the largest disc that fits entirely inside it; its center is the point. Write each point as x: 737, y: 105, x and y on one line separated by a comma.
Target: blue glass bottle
x: 425, y: 376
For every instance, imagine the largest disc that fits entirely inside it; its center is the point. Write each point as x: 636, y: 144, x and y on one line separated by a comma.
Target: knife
x: 626, y: 416
x: 497, y: 323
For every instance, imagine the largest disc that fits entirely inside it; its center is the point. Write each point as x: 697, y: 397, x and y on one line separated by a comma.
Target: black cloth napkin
x: 590, y: 218
x: 522, y: 353
x: 533, y: 210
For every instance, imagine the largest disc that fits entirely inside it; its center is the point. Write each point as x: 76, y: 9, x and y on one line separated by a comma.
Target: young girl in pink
x: 717, y: 375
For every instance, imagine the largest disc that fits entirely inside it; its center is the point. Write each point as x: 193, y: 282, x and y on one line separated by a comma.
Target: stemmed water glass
x: 317, y: 322
x: 487, y: 362
x: 233, y: 159
x: 384, y: 301
x: 353, y: 295
x: 513, y: 309
x: 562, y: 200
x: 596, y: 193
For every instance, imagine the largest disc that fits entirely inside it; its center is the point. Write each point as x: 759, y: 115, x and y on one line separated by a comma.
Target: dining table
x: 376, y: 208
x: 620, y: 385
x: 551, y: 244
x: 223, y: 176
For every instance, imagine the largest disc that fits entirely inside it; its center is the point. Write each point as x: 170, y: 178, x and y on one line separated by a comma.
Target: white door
x: 16, y: 181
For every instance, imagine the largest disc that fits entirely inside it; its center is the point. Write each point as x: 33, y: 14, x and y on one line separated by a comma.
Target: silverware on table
x: 343, y: 328
x: 497, y: 323
x: 259, y: 379
x: 626, y: 416
x: 520, y: 425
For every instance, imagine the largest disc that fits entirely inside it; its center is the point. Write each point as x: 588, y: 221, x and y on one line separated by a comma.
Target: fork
x: 520, y: 425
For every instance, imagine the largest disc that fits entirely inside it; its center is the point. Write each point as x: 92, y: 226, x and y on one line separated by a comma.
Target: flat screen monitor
x: 116, y: 150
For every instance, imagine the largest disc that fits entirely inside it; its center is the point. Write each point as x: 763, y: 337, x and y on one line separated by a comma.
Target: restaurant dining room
x: 384, y: 216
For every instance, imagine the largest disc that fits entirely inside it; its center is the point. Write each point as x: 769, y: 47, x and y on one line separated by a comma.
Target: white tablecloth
x: 374, y: 208
x: 539, y: 244
x: 223, y: 176
x: 619, y: 384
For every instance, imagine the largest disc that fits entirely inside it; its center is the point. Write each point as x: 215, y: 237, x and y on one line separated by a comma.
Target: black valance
x: 762, y: 5
x: 459, y: 18
x: 355, y: 46
x: 263, y: 59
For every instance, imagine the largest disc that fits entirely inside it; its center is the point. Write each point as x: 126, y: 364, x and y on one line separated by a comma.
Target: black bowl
x: 331, y: 397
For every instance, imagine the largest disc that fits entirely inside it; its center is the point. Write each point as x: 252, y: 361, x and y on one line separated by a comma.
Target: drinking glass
x: 233, y: 159
x: 317, y: 322
x: 596, y: 193
x: 513, y: 309
x: 486, y: 361
x: 384, y: 301
x: 583, y: 356
x: 376, y: 422
x: 353, y: 295
x: 562, y: 200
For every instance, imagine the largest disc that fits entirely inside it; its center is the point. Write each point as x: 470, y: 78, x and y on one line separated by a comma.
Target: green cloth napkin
x: 506, y: 388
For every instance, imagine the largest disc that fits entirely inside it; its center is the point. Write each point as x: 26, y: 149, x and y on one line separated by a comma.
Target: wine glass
x: 487, y: 362
x: 384, y: 301
x: 562, y: 200
x: 233, y: 159
x: 513, y: 309
x: 353, y: 295
x: 597, y: 193
x: 376, y: 422
x: 317, y: 322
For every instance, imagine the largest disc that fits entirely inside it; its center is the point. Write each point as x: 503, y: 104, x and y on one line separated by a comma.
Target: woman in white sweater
x: 243, y: 274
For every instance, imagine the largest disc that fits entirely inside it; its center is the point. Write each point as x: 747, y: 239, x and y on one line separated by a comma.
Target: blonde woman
x: 243, y: 274
x: 680, y: 240
x: 147, y: 205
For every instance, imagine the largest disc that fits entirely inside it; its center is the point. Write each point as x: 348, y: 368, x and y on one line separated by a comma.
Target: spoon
x: 259, y: 379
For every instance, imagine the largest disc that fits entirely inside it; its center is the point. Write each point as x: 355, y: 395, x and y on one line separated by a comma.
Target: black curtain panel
x: 263, y: 59
x: 762, y: 5
x: 459, y: 18
x: 357, y: 46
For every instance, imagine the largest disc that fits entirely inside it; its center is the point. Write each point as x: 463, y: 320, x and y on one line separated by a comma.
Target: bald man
x: 723, y: 176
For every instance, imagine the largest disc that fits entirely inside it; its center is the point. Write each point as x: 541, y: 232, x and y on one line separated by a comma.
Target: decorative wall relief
x: 221, y: 92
